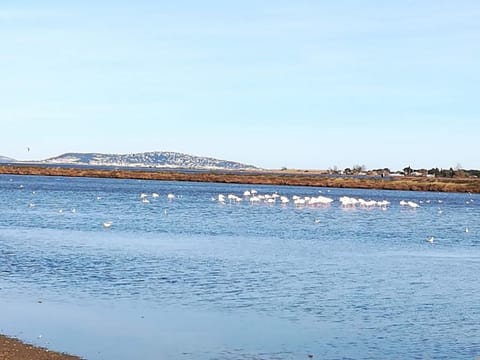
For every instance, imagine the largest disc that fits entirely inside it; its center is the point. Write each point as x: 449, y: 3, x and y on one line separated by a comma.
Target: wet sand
x: 13, y: 349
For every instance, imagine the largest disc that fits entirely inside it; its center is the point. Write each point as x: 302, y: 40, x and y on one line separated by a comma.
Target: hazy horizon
x: 457, y: 166
x: 307, y: 85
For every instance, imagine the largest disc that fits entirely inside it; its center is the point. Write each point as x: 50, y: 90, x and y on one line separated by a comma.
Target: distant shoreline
x: 293, y: 178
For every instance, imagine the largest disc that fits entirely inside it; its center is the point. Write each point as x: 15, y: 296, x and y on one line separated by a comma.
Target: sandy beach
x: 13, y: 349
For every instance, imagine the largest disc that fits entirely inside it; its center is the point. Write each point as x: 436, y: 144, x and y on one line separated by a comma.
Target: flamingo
x: 299, y: 202
x: 412, y: 204
x: 349, y: 201
x: 270, y: 201
x: 324, y: 200
x: 284, y: 200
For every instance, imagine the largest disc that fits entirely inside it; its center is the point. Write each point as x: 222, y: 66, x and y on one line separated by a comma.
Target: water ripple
x: 366, y: 278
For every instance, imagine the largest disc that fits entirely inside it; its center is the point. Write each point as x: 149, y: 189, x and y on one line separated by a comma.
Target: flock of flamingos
x: 253, y: 197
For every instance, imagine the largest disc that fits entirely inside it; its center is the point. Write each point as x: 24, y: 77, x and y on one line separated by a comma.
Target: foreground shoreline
x: 293, y: 178
x: 14, y: 349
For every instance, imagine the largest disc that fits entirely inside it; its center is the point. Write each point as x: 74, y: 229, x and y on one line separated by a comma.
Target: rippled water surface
x: 192, y: 277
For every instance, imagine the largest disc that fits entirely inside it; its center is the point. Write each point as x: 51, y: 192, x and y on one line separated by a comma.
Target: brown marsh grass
x: 471, y: 185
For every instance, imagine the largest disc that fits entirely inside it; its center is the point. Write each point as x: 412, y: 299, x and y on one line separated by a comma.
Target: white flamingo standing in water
x: 412, y: 204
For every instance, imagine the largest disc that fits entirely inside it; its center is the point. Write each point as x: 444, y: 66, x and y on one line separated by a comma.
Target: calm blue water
x: 192, y: 278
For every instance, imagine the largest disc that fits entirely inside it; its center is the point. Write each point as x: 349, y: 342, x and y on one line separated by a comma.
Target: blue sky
x: 301, y: 84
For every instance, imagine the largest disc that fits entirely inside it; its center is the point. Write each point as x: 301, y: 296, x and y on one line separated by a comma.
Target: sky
x: 273, y: 83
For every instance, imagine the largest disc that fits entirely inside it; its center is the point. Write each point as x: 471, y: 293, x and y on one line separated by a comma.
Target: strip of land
x: 13, y: 349
x: 297, y: 178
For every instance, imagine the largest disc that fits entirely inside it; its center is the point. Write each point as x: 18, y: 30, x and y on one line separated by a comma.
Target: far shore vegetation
x: 360, y: 170
x: 450, y: 180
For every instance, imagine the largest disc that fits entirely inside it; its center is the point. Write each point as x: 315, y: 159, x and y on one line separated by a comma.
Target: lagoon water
x: 193, y: 278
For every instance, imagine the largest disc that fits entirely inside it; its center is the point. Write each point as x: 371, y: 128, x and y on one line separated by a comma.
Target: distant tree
x: 433, y: 171
x: 408, y: 170
x: 459, y: 172
x: 333, y: 169
x: 347, y: 171
x: 358, y: 169
x: 443, y: 173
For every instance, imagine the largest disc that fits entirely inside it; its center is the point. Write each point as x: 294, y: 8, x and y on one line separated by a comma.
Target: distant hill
x: 4, y: 159
x: 155, y: 159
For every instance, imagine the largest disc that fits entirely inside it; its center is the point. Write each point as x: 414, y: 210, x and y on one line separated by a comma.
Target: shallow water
x: 195, y: 278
